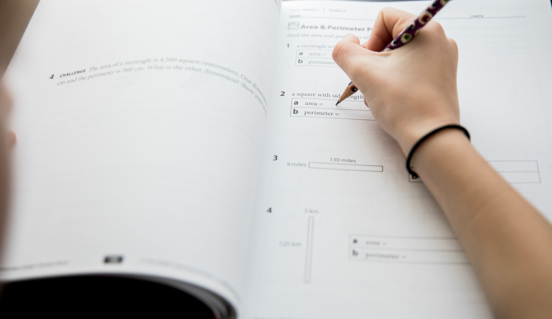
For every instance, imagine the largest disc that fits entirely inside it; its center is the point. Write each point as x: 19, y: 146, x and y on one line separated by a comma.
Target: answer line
x: 402, y: 237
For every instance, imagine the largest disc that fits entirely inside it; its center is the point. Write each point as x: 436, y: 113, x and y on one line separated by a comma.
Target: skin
x: 508, y: 242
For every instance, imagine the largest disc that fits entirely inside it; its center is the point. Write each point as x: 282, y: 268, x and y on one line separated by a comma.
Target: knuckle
x: 453, y: 45
x: 439, y: 27
x: 338, y: 51
x: 436, y: 28
x: 386, y: 10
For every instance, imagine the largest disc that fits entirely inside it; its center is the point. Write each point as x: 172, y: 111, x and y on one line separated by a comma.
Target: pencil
x: 403, y: 38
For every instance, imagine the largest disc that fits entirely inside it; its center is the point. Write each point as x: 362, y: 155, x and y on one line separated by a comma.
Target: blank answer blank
x: 514, y: 172
x: 406, y: 250
x: 309, y: 57
x: 518, y: 172
x: 350, y: 109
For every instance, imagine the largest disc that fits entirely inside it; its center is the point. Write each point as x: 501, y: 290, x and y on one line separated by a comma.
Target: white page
x: 145, y: 143
x: 341, y: 230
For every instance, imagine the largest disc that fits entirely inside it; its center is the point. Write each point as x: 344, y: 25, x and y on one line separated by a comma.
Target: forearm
x: 507, y: 241
x: 412, y: 91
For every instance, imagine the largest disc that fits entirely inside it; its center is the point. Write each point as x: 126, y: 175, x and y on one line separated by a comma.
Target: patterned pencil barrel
x: 403, y: 38
x: 412, y: 30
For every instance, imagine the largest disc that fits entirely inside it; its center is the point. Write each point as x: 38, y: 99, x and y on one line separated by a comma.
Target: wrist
x: 429, y: 136
x: 422, y: 115
x: 411, y: 135
x: 437, y: 148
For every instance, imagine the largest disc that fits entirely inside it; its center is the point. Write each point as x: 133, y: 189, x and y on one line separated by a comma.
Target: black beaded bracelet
x: 423, y: 139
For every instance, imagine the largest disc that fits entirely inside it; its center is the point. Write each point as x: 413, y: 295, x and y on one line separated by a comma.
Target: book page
x: 139, y: 128
x: 342, y: 231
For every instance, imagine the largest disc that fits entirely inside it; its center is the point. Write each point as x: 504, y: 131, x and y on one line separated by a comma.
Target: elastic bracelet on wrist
x: 423, y: 139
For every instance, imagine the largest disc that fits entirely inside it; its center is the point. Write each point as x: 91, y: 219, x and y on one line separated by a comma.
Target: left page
x: 139, y: 124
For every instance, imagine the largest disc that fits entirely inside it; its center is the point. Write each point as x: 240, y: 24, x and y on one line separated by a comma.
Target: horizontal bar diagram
x: 347, y: 167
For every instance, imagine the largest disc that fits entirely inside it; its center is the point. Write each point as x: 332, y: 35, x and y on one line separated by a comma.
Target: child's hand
x: 411, y: 90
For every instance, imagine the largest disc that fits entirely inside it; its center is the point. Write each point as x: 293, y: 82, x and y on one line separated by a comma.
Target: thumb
x: 347, y: 53
x: 389, y: 24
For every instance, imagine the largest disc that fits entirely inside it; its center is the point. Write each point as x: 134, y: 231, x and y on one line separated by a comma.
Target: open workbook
x: 197, y: 144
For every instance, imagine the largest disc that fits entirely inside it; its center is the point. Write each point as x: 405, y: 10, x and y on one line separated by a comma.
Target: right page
x: 342, y: 231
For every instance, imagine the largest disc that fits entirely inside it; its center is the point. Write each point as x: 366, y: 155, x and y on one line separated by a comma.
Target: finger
x: 389, y: 24
x: 346, y: 51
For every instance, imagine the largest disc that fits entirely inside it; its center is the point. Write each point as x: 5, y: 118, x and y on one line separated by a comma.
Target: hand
x: 410, y: 90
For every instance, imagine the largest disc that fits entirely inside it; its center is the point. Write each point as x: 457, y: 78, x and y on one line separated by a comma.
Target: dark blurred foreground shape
x: 101, y: 297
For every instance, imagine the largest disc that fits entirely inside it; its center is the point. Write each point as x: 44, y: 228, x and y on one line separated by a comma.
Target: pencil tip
x: 336, y: 104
